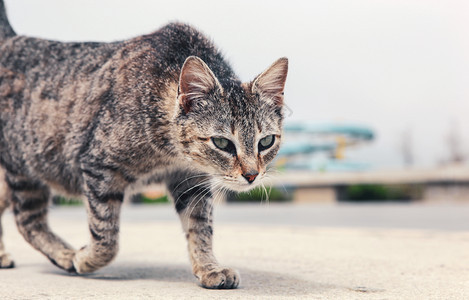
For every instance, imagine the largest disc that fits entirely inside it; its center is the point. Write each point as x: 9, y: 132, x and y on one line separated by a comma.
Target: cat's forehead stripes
x: 259, y: 126
x: 233, y: 128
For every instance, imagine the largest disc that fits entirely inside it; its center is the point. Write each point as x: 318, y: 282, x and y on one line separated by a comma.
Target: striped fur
x: 99, y: 120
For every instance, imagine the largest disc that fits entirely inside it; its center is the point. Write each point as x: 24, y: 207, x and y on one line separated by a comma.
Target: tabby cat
x: 99, y: 120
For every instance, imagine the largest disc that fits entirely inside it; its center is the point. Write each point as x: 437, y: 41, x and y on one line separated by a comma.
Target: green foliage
x: 378, y: 192
x: 140, y: 198
x: 366, y: 192
x: 148, y: 200
x: 59, y: 200
x: 258, y: 194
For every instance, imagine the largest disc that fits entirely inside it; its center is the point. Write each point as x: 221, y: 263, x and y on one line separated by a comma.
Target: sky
x: 395, y: 66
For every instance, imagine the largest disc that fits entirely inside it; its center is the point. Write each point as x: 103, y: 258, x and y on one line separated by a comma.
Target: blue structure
x: 321, y: 147
x: 354, y: 131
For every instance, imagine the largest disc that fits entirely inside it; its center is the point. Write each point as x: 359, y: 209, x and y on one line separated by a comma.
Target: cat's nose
x: 250, y: 177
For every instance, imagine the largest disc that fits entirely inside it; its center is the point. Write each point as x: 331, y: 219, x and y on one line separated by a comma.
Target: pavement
x: 283, y: 251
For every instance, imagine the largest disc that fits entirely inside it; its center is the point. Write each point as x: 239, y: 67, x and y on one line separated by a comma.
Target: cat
x: 98, y: 120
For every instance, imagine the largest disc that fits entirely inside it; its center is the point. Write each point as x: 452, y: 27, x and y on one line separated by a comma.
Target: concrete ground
x: 390, y: 251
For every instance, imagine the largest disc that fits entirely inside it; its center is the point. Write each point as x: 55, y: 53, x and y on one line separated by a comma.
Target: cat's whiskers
x: 186, y: 191
x: 203, y: 182
x: 266, y: 193
x: 188, y: 178
x: 213, y: 183
x: 222, y: 191
x: 216, y: 186
x: 268, y: 176
x: 199, y: 197
x: 220, y: 194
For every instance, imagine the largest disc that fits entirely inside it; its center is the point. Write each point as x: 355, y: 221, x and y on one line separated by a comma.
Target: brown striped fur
x: 99, y: 120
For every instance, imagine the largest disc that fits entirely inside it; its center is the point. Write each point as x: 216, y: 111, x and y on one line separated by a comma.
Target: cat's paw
x: 64, y: 260
x: 80, y: 262
x: 88, y: 261
x: 6, y: 261
x: 220, y: 279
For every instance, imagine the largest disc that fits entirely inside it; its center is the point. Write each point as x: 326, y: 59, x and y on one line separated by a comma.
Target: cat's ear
x: 195, y: 82
x: 271, y: 83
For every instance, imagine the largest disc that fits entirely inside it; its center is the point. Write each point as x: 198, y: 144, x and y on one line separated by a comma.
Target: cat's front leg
x: 103, y: 218
x: 198, y: 228
x: 193, y: 200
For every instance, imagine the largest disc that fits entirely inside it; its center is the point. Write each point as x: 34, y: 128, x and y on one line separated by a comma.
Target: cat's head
x: 228, y: 129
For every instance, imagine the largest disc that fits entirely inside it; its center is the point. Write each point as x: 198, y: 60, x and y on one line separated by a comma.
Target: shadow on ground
x: 253, y: 282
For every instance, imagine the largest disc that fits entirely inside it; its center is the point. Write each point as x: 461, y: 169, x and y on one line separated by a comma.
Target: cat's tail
x: 5, y: 28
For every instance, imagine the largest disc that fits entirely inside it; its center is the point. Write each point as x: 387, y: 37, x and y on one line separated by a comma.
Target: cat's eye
x: 224, y: 144
x: 266, y: 142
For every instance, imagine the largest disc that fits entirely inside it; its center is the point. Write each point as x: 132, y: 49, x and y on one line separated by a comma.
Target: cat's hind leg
x: 5, y: 259
x: 30, y: 203
x: 192, y: 197
x: 103, y: 207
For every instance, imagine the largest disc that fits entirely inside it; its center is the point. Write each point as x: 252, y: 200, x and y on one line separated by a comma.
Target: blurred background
x: 377, y: 93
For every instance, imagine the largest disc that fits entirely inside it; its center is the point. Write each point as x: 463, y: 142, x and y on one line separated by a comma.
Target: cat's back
x: 39, y: 76
x: 38, y: 61
x: 173, y: 43
x: 43, y: 83
x: 51, y: 68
